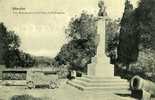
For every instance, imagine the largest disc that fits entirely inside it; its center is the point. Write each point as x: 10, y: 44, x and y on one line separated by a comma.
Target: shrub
x: 14, y: 75
x: 63, y: 71
x: 24, y: 97
x: 145, y: 62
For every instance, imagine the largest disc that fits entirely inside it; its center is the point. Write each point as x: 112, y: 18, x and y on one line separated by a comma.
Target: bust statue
x: 102, y: 10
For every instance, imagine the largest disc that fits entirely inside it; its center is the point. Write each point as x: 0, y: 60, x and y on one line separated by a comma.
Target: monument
x: 100, y: 73
x: 100, y: 66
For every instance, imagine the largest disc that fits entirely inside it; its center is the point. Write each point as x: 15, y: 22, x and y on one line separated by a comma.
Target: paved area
x: 65, y: 92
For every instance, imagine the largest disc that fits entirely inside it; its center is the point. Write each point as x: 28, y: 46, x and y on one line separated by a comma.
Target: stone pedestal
x: 100, y: 66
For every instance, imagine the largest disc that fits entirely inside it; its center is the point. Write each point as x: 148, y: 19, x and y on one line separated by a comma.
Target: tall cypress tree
x: 3, y: 47
x: 128, y: 39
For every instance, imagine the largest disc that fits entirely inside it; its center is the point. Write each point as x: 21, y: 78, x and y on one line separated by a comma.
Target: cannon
x: 141, y: 88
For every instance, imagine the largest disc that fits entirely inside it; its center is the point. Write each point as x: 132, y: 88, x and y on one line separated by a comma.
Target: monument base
x: 100, y: 78
x: 100, y: 84
x: 100, y: 68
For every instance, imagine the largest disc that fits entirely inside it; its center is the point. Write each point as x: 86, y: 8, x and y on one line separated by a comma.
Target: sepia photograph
x: 77, y: 49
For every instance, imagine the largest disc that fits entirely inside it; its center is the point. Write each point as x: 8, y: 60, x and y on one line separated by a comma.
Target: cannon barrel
x: 138, y: 83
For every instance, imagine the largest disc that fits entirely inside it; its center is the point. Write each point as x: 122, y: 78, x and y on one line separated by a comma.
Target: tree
x: 144, y: 14
x: 112, y: 38
x: 82, y: 44
x: 25, y: 60
x: 145, y: 29
x: 9, y: 49
x: 3, y: 31
x: 137, y: 39
x: 82, y: 28
x: 128, y: 38
x: 10, y: 43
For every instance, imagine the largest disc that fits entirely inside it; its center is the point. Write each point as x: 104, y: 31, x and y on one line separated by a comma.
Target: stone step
x: 111, y: 85
x: 101, y: 84
x: 93, y: 77
x: 106, y: 89
x: 103, y: 80
x: 115, y: 89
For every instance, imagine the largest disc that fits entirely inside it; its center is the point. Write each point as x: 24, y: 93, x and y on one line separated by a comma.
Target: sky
x: 43, y: 34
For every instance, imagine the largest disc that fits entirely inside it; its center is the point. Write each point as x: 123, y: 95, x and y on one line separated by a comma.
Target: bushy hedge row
x: 123, y: 73
x: 13, y: 76
x: 24, y: 97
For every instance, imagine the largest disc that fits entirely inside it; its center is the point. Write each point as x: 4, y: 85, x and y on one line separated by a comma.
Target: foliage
x: 82, y: 28
x: 63, y: 71
x: 137, y: 39
x: 112, y: 32
x: 145, y: 62
x: 144, y: 22
x: 24, y: 97
x: 144, y: 15
x: 9, y: 42
x: 25, y: 60
x: 41, y: 61
x: 18, y: 58
x: 128, y: 38
x: 75, y: 54
x: 10, y: 53
x: 14, y: 76
x: 82, y: 46
x: 144, y: 67
x: 112, y: 38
